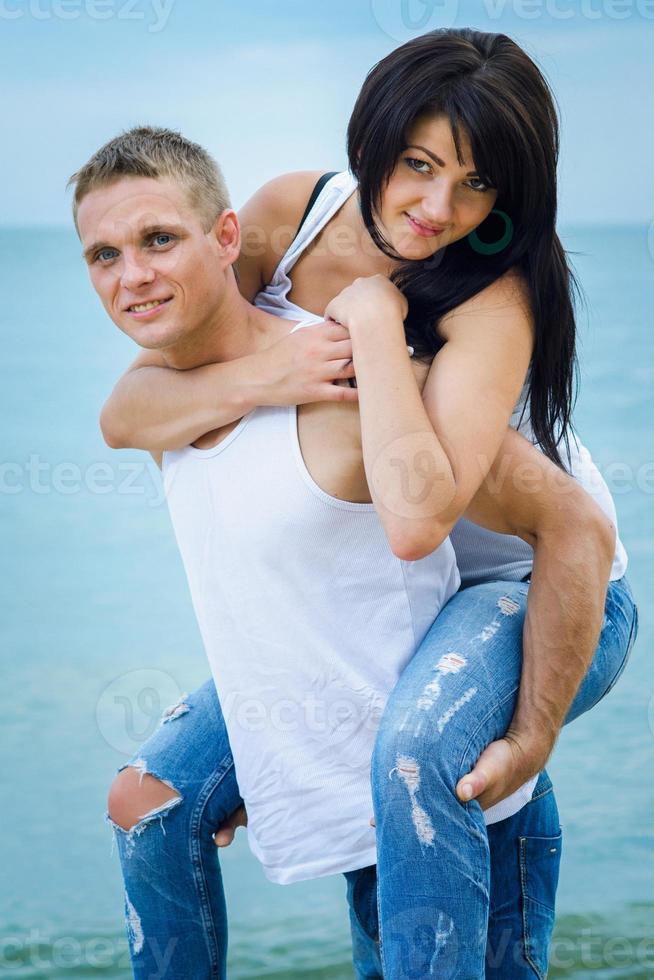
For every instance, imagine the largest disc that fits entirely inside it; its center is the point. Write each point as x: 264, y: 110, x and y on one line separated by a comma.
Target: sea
x: 98, y: 636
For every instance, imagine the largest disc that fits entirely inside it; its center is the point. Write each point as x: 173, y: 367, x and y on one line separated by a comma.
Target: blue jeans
x: 464, y: 900
x: 525, y: 854
x: 434, y: 860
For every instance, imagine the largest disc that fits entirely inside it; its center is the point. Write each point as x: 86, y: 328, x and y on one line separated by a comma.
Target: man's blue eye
x: 166, y: 239
x: 106, y: 254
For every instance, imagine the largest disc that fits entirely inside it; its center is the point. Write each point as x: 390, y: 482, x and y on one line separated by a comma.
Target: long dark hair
x: 488, y: 88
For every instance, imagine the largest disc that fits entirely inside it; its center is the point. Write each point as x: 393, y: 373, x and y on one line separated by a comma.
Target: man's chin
x: 156, y: 335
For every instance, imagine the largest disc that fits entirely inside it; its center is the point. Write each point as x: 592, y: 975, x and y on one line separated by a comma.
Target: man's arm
x: 573, y: 541
x: 155, y: 407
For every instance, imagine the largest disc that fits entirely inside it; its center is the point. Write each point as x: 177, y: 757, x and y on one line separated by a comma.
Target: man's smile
x: 147, y: 309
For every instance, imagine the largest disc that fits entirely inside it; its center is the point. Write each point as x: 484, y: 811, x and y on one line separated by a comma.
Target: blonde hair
x: 146, y: 151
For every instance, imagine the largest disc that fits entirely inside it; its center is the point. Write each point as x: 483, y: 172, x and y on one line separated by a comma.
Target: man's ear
x: 227, y: 232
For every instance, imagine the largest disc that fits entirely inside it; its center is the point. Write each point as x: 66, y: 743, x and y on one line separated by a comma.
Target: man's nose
x: 438, y: 205
x: 136, y: 272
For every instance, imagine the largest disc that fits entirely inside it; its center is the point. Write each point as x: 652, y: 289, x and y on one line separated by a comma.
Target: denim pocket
x: 630, y: 642
x: 540, y: 860
x: 364, y: 902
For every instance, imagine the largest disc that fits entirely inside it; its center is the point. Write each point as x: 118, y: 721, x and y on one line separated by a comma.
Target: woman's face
x: 432, y: 200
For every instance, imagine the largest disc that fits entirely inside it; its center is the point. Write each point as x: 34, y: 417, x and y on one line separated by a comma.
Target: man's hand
x: 156, y: 407
x: 307, y: 365
x: 502, y: 768
x: 225, y: 833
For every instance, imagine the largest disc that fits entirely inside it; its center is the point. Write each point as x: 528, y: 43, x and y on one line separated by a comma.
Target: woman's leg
x: 456, y: 696
x: 165, y: 805
x: 525, y: 855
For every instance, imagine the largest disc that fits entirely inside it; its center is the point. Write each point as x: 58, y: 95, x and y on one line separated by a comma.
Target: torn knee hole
x: 136, y: 798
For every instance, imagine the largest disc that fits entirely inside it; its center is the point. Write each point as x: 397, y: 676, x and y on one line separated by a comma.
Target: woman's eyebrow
x: 437, y: 160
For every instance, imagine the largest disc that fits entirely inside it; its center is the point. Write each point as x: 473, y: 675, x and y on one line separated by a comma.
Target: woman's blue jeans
x: 449, y: 897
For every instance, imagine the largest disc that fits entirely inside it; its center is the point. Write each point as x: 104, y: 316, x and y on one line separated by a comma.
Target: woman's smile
x: 421, y: 227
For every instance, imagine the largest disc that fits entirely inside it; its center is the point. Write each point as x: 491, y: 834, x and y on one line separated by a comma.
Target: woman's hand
x: 373, y: 299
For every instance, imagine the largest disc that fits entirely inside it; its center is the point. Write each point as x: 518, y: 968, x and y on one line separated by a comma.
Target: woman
x: 452, y: 134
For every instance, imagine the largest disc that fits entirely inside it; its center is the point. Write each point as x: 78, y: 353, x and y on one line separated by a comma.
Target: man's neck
x: 235, y: 328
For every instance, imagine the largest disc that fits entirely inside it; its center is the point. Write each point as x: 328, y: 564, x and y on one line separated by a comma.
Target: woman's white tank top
x: 308, y: 620
x: 481, y: 555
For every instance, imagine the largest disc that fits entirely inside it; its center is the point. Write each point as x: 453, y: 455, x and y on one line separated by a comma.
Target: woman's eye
x: 477, y: 184
x: 420, y: 166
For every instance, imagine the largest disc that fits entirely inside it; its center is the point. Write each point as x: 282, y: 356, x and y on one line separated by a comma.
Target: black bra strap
x: 314, y: 197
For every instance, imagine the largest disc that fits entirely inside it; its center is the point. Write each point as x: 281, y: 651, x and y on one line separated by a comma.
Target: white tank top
x: 481, y: 555
x: 308, y: 620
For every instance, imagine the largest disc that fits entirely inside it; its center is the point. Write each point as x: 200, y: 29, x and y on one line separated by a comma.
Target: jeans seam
x: 544, y: 792
x: 196, y: 858
x: 380, y: 943
x: 627, y: 656
x: 356, y: 914
x: 493, y: 710
x: 526, y: 939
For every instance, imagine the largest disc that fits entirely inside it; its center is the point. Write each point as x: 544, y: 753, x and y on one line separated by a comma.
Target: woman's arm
x: 427, y: 454
x: 155, y: 407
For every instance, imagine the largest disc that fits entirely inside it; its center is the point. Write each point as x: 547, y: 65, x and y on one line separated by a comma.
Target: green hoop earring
x: 492, y: 248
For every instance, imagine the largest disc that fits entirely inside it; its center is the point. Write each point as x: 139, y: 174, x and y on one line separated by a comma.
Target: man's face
x: 159, y: 274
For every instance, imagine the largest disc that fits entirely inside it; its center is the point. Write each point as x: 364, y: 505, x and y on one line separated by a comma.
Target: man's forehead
x: 123, y: 209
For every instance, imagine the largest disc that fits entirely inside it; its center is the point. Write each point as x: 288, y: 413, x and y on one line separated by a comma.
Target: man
x: 160, y: 241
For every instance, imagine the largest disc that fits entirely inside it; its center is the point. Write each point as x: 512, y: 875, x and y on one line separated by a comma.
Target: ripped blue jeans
x: 449, y: 897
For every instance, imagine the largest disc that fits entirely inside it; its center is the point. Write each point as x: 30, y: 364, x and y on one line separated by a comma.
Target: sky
x: 268, y: 85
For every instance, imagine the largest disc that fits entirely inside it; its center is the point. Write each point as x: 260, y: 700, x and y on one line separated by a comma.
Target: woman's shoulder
x: 282, y: 199
x: 269, y: 220
x: 505, y: 301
